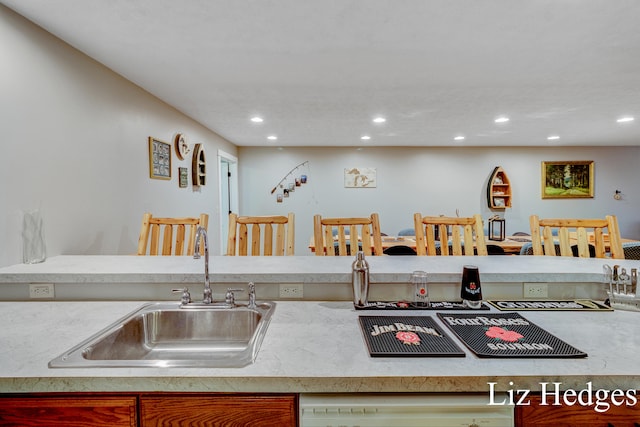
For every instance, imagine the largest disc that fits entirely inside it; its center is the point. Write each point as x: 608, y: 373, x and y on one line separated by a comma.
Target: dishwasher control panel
x: 402, y: 410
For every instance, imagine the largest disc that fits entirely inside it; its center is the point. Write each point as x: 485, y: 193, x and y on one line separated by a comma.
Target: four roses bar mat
x: 506, y: 335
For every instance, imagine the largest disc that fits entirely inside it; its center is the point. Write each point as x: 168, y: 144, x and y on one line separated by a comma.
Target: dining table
x: 511, y: 245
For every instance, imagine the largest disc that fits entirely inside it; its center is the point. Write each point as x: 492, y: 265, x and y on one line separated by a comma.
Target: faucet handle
x: 185, y: 297
x: 230, y: 297
x: 252, y: 295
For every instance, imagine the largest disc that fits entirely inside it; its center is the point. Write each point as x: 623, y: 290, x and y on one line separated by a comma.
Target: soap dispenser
x: 360, y: 280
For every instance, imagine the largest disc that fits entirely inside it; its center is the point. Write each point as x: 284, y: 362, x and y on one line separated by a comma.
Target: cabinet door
x: 68, y: 411
x: 536, y: 415
x: 218, y: 410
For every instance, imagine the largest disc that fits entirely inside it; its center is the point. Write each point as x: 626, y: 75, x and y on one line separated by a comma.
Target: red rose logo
x: 408, y: 338
x: 503, y: 334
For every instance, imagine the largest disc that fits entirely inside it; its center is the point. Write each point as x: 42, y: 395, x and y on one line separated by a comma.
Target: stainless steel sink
x: 166, y: 335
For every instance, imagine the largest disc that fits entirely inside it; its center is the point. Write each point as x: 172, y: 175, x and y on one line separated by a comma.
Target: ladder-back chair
x: 366, y: 232
x: 573, y: 232
x: 168, y: 236
x: 466, y: 235
x: 242, y: 242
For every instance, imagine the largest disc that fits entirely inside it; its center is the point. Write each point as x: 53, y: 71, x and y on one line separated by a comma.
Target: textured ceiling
x: 319, y: 71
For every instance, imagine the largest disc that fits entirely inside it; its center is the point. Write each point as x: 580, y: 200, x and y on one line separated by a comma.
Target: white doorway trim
x: 227, y: 193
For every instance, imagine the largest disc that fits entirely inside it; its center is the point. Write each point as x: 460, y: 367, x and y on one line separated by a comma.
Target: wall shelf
x: 198, y: 166
x: 499, y: 190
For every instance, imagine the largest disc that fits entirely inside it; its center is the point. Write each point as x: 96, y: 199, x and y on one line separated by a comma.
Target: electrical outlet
x: 291, y: 290
x: 41, y: 290
x: 535, y: 290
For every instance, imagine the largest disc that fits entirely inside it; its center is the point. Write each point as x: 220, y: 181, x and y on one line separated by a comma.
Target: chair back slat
x: 351, y: 235
x: 461, y: 230
x: 168, y: 236
x: 260, y: 240
x: 583, y: 238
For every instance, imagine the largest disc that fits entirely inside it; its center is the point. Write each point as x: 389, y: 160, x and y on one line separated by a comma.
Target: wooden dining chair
x: 441, y: 235
x: 168, y: 236
x: 341, y: 243
x: 243, y: 242
x: 576, y: 237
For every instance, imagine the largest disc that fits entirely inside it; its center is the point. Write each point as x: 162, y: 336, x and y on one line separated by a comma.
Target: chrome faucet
x: 201, y: 232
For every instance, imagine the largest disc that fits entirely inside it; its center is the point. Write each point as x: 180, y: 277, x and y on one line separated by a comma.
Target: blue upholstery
x: 407, y: 232
x: 527, y: 249
x: 631, y: 250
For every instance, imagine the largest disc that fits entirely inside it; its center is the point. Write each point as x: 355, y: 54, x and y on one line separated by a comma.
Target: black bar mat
x: 407, y: 336
x: 506, y: 335
x: 407, y: 305
x: 573, y: 305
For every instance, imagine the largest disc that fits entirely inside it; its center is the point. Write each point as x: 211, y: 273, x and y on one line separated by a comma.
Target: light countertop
x: 312, y: 347
x: 307, y: 269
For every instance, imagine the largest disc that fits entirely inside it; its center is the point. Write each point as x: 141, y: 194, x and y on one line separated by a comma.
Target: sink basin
x: 166, y: 335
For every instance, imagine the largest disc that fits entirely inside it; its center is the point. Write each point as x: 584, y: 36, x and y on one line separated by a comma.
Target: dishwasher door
x: 402, y: 410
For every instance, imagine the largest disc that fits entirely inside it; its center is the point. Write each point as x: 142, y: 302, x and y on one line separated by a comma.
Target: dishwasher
x: 402, y: 410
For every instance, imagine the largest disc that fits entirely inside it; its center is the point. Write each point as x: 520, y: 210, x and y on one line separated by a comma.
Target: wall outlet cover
x: 535, y: 290
x: 291, y: 290
x: 41, y: 290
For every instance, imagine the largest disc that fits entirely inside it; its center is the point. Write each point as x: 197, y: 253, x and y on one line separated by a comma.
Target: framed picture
x: 159, y: 159
x: 567, y: 179
x: 360, y: 178
x: 183, y: 176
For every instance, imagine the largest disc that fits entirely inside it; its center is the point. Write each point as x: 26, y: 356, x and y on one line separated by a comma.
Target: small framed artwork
x: 499, y: 202
x: 183, y: 176
x: 567, y: 179
x: 360, y: 178
x: 159, y: 159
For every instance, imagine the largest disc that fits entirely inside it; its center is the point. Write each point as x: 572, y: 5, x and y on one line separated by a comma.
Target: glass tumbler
x: 421, y: 292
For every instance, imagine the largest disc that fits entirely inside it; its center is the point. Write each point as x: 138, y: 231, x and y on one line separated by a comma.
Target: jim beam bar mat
x: 575, y: 305
x: 407, y: 336
x: 506, y: 335
x: 408, y: 305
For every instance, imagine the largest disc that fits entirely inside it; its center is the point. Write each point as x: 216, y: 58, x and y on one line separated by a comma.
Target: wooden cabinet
x: 499, y: 190
x: 209, y: 409
x: 80, y: 410
x: 155, y: 409
x: 537, y: 415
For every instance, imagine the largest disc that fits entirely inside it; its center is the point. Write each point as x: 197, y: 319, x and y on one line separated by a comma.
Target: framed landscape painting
x: 567, y: 179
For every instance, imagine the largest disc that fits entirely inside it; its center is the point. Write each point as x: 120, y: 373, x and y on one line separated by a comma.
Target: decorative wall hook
x: 617, y: 195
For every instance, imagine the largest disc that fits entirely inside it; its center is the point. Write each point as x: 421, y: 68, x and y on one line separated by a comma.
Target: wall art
x: 183, y: 177
x: 360, y: 178
x: 567, y: 179
x: 159, y: 159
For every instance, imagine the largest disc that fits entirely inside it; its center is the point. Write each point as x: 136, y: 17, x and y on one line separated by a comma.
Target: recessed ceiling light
x: 501, y: 119
x: 625, y: 119
x: 257, y: 119
x: 365, y: 137
x: 379, y: 120
x: 459, y: 138
x: 272, y: 137
x: 553, y: 137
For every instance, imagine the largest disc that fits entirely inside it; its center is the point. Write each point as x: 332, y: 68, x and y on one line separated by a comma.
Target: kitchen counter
x: 324, y: 278
x: 307, y: 269
x: 312, y: 346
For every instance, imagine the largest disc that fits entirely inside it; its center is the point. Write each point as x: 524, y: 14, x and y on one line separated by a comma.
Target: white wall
x: 434, y: 181
x: 74, y: 145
